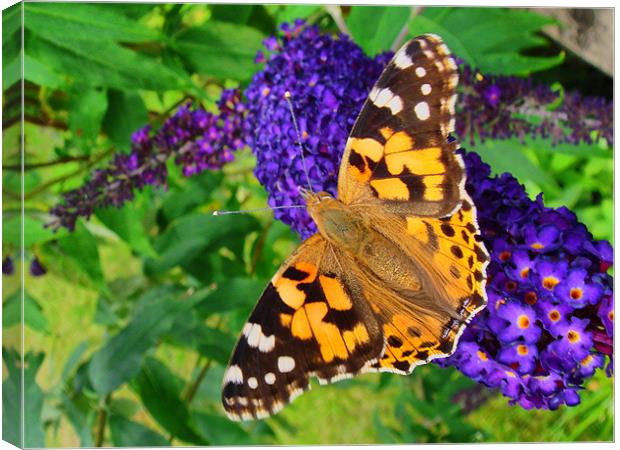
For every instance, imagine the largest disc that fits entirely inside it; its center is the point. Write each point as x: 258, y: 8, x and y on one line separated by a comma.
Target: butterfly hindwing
x: 311, y: 320
x: 398, y: 152
x: 427, y: 325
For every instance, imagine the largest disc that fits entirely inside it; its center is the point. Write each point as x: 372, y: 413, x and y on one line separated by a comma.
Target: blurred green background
x: 128, y: 332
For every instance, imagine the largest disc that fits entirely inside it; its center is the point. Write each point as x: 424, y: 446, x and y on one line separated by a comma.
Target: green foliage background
x: 128, y: 333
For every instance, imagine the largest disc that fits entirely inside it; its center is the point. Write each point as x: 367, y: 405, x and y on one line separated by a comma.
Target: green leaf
x: 193, y: 234
x: 102, y: 63
x: 489, y: 39
x: 127, y: 433
x: 104, y: 314
x: 121, y: 356
x: 85, y: 21
x: 235, y: 293
x: 34, y: 231
x: 126, y: 114
x: 160, y: 391
x: 126, y: 222
x: 33, y: 314
x: 197, y: 191
x: 219, y: 430
x: 86, y: 109
x: 81, y: 246
x: 374, y: 28
x: 42, y: 74
x: 506, y: 156
x: 74, y: 359
x: 11, y: 21
x: 291, y: 12
x: 81, y: 415
x: 33, y: 396
x: 220, y: 49
x: 232, y: 13
x: 189, y: 332
x: 11, y: 72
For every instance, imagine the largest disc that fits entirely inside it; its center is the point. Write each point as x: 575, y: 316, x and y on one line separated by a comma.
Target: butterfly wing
x: 311, y: 319
x: 398, y: 152
x: 401, y: 171
x: 423, y: 325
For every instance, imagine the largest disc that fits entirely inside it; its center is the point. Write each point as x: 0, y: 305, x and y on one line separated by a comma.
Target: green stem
x: 101, y: 421
x: 65, y: 159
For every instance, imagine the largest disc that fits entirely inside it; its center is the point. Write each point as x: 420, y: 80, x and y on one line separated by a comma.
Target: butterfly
x: 396, y: 269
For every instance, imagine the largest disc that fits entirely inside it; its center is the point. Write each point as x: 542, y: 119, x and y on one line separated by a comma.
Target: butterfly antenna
x: 246, y: 211
x: 287, y: 97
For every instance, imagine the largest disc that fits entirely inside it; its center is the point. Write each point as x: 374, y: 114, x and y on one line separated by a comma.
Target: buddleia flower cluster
x: 549, y: 322
x: 197, y: 139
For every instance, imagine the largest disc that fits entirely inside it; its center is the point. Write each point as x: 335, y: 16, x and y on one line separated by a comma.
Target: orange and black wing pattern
x: 309, y: 321
x: 398, y: 152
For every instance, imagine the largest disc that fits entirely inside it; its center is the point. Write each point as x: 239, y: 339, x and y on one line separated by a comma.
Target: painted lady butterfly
x: 396, y: 270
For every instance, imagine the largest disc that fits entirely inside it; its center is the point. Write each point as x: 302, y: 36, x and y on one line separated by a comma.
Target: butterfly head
x: 313, y: 199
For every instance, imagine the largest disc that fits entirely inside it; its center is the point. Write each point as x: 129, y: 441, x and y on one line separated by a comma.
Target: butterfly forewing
x: 398, y: 152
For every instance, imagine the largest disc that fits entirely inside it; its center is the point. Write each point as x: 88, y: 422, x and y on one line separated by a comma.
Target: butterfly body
x: 396, y: 269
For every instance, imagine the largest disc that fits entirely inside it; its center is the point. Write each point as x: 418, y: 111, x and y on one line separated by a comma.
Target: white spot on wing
x: 267, y: 343
x: 253, y: 337
x: 402, y: 59
x: 395, y: 104
x: 270, y: 378
x: 420, y: 72
x: 233, y: 375
x: 426, y: 89
x: 383, y: 96
x: 373, y: 94
x: 422, y: 111
x: 286, y: 364
x: 252, y: 382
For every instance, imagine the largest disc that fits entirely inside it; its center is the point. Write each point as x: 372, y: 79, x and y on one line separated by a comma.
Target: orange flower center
x: 537, y: 245
x: 573, y: 336
x: 550, y: 282
x: 266, y: 92
x: 511, y: 285
x: 576, y: 293
x: 483, y: 356
x: 587, y: 360
x: 554, y: 315
x: 524, y: 272
x: 522, y: 350
x: 611, y: 315
x: 531, y: 297
x: 504, y: 255
x: 523, y: 321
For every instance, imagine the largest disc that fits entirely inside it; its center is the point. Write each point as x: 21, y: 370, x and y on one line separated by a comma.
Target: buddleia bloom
x: 197, y: 139
x: 548, y: 324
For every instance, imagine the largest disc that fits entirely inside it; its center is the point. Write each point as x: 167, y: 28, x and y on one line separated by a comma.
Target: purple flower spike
x: 198, y: 140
